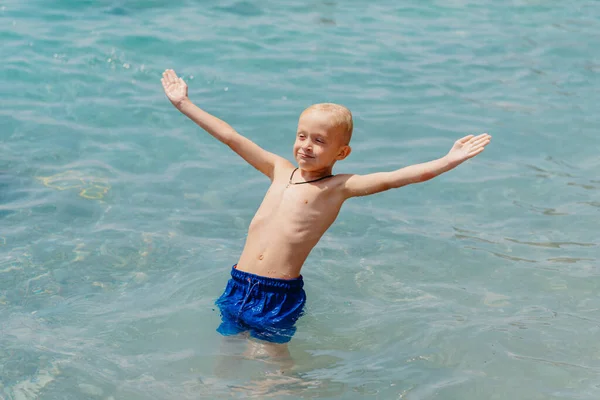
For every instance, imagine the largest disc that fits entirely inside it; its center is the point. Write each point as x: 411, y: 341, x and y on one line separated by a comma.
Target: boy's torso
x: 288, y: 224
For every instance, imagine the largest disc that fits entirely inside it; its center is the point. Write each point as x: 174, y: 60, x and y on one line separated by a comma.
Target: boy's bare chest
x: 299, y: 206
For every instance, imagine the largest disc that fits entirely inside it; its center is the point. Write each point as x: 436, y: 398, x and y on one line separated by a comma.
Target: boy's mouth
x: 305, y: 155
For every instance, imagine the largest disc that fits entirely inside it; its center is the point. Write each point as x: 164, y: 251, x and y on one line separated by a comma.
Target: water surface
x: 119, y: 219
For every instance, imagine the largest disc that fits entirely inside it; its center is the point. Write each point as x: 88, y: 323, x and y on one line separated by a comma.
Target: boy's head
x: 323, y: 136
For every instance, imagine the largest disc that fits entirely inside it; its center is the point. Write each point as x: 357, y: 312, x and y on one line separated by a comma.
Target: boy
x: 265, y: 294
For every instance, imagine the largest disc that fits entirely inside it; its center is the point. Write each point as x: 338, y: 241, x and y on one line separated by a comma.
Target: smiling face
x: 320, y: 141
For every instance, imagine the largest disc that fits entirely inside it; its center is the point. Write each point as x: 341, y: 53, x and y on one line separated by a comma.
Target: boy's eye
x: 320, y: 141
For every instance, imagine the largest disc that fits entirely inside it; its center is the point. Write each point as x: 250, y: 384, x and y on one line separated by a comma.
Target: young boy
x: 265, y: 294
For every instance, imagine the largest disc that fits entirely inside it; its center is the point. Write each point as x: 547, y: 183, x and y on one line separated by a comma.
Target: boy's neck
x: 310, y: 175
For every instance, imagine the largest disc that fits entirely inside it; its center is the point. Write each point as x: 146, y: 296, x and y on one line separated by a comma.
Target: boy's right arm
x: 264, y: 161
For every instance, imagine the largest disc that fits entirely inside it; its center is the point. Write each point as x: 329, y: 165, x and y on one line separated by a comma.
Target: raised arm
x: 177, y: 92
x: 463, y: 149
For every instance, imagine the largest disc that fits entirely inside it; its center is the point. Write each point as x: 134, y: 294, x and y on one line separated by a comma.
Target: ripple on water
x: 556, y: 245
x: 389, y: 288
x: 111, y: 258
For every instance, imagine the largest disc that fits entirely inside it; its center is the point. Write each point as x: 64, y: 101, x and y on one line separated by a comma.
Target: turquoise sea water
x: 120, y: 219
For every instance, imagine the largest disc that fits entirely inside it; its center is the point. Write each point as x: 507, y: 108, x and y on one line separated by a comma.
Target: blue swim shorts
x: 266, y: 307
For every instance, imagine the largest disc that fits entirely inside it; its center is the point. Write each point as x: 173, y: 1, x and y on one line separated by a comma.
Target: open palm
x: 467, y: 147
x: 175, y: 88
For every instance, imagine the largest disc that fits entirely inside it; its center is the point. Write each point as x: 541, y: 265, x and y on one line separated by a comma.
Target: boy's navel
x: 260, y: 257
x: 305, y: 201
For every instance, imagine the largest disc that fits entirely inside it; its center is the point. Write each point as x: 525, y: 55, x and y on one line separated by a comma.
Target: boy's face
x: 318, y: 144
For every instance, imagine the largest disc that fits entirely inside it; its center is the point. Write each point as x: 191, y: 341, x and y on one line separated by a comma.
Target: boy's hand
x: 466, y: 148
x: 175, y: 88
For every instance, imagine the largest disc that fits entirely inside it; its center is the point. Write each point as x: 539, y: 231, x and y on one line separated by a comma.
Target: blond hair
x: 341, y: 117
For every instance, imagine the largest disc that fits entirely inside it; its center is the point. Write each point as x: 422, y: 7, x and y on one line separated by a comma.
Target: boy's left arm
x: 463, y: 149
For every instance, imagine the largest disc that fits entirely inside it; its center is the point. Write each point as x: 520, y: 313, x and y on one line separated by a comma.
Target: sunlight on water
x: 120, y: 220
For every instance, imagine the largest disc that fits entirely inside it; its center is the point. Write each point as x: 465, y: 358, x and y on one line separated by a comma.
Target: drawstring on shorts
x: 250, y: 289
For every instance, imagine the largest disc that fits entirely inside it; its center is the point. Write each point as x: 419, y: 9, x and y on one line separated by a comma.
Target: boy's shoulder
x: 337, y: 186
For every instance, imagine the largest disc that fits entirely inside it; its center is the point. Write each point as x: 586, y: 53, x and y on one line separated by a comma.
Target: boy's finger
x: 168, y: 76
x: 481, y: 145
x: 465, y: 139
x: 474, y: 138
x: 473, y: 153
x: 480, y: 136
x: 478, y: 140
x: 173, y: 76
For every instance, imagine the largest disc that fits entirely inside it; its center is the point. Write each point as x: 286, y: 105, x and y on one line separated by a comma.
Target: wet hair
x: 340, y: 117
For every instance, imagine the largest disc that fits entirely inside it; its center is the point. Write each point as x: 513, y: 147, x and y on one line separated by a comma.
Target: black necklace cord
x: 301, y: 183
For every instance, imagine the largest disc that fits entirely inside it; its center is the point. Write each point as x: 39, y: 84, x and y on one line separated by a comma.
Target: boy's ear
x: 344, y: 152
